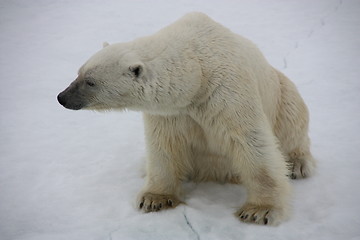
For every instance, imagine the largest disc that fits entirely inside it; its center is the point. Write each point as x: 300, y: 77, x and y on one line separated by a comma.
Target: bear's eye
x: 89, y: 83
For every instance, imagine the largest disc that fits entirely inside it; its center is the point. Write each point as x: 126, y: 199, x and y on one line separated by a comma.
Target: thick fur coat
x: 214, y: 110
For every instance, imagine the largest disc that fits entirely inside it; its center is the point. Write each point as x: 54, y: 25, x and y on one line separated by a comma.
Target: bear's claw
x: 263, y: 215
x: 301, y: 168
x: 155, y: 202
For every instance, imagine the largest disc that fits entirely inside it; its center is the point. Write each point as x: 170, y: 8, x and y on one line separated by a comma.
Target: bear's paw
x: 155, y: 202
x: 262, y: 215
x: 302, y: 168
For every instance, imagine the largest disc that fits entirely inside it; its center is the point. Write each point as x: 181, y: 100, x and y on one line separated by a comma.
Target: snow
x: 70, y: 175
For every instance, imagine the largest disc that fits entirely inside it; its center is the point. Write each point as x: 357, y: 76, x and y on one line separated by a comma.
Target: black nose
x: 61, y: 99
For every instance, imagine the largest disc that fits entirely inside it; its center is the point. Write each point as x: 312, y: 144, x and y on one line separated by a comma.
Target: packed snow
x: 74, y: 175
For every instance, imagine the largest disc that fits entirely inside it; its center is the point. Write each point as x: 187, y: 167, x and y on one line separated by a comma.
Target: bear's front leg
x: 166, y: 158
x: 263, y: 171
x: 162, y: 187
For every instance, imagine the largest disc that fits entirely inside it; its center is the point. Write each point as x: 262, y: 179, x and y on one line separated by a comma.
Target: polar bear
x: 214, y: 110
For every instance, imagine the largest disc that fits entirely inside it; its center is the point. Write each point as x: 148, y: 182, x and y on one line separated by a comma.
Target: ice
x: 70, y: 175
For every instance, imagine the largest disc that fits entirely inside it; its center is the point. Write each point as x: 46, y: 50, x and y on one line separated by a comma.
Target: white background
x: 69, y: 175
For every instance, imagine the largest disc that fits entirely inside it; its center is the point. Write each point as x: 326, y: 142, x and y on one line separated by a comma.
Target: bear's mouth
x: 74, y: 107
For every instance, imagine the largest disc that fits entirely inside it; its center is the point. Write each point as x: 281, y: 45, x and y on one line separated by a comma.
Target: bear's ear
x: 105, y: 44
x: 137, y: 69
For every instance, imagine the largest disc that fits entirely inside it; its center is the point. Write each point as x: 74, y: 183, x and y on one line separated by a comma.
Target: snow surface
x: 74, y: 175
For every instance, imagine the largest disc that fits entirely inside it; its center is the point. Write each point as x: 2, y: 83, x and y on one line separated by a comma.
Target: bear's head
x: 123, y: 76
x: 108, y: 80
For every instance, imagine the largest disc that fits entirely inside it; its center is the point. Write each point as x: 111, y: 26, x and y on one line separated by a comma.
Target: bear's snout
x: 70, y: 100
x: 61, y: 99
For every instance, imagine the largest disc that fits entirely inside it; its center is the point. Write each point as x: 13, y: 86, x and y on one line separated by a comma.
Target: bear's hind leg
x: 301, y: 163
x: 291, y: 129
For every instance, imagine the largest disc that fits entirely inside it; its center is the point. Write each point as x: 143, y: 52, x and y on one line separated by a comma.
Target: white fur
x: 214, y: 110
x: 105, y: 44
